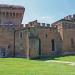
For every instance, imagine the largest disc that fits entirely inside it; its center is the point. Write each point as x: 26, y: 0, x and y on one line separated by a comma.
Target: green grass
x: 21, y: 66
x: 70, y: 58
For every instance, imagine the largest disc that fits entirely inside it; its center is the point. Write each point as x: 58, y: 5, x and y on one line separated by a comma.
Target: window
x: 21, y: 34
x: 3, y: 13
x: 7, y: 14
x: 17, y: 14
x: 14, y: 14
x: 53, y: 44
x: 46, y: 35
x: 10, y: 14
x: 3, y: 52
x: 0, y: 13
x: 9, y: 46
x: 0, y: 21
x: 72, y: 43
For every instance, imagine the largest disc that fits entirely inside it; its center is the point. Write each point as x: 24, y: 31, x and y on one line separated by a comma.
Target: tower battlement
x: 11, y: 14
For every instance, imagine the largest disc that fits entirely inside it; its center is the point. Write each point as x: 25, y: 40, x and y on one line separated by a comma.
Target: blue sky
x: 46, y: 11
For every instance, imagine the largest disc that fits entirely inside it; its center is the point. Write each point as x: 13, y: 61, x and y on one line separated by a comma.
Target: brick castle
x: 35, y: 39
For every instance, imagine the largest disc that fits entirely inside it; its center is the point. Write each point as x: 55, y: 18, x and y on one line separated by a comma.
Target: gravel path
x: 62, y: 62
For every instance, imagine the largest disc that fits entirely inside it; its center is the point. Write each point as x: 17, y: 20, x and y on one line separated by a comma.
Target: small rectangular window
x: 14, y: 14
x: 7, y: 14
x: 72, y: 43
x: 53, y: 44
x: 3, y: 13
x: 46, y: 35
x: 0, y: 21
x: 21, y: 34
x: 0, y: 13
x: 10, y: 14
x: 17, y: 14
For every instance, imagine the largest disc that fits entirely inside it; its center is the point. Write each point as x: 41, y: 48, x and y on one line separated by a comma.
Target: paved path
x: 62, y: 62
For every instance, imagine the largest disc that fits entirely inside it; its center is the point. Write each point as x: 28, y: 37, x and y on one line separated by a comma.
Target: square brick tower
x: 11, y: 14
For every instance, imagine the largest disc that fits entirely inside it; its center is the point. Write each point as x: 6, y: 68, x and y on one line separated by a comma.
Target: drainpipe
x: 28, y: 49
x: 14, y: 45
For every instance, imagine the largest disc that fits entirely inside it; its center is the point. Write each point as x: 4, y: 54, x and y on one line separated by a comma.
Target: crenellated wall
x: 10, y: 14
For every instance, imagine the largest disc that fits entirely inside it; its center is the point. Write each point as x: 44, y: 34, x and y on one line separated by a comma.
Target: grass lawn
x: 21, y: 66
x: 66, y: 58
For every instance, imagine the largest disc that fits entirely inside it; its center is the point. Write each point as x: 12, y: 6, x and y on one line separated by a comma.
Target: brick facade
x: 35, y: 39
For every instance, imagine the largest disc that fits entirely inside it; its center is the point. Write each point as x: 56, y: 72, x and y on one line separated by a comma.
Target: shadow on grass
x: 51, y: 57
x: 42, y: 58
